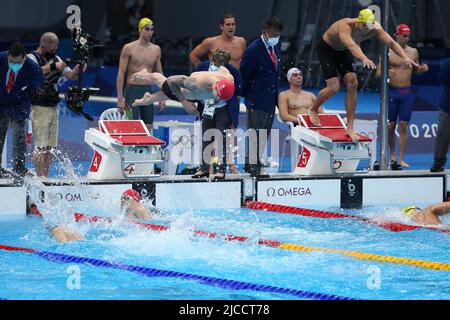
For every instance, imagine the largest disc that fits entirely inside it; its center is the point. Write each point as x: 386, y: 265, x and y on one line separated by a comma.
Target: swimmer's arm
x: 190, y: 107
x: 141, y: 212
x: 440, y: 209
x: 177, y: 82
x: 345, y: 35
x: 62, y: 234
x: 385, y: 38
x: 158, y: 65
x: 199, y: 51
x: 423, y: 67
x: 378, y: 71
x: 283, y: 108
x: 123, y: 65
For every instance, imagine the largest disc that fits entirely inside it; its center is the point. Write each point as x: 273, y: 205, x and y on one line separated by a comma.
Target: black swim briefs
x: 333, y: 61
x: 168, y: 92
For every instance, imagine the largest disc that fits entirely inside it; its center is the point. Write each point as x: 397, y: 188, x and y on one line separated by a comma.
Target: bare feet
x: 142, y: 77
x: 404, y: 164
x: 352, y: 134
x: 145, y: 101
x: 314, y: 117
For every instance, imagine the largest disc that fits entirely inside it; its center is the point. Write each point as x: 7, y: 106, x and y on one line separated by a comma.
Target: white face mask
x: 212, y: 67
x: 273, y: 41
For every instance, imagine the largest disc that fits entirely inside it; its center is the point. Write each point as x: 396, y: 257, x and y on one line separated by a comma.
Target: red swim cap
x: 225, y: 89
x: 402, y: 29
x: 132, y: 194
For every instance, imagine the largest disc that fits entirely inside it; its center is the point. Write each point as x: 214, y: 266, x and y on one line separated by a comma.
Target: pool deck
x: 183, y: 192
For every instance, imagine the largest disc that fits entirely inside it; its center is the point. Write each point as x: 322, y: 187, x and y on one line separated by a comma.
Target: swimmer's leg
x: 149, y: 98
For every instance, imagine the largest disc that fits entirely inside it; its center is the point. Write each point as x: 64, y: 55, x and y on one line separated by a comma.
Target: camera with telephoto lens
x: 85, y: 50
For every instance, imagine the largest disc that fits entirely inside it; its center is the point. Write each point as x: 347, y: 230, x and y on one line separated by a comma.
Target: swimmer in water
x: 428, y: 216
x: 131, y: 206
x: 60, y: 233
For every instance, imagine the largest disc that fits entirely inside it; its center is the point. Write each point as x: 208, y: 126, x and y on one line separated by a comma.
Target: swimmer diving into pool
x: 131, y: 206
x: 429, y: 215
x: 202, y: 85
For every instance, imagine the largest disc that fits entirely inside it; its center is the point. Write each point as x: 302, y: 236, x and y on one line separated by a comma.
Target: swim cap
x: 292, y: 71
x: 132, y: 194
x: 402, y: 29
x: 367, y: 17
x: 143, y: 22
x: 409, y: 210
x: 225, y: 89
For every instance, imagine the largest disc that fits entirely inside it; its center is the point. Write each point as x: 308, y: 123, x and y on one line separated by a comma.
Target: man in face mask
x: 19, y: 77
x: 44, y: 111
x: 261, y: 77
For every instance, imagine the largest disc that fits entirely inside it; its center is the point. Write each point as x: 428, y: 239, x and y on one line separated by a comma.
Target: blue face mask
x: 212, y: 67
x: 15, y: 67
x: 273, y: 41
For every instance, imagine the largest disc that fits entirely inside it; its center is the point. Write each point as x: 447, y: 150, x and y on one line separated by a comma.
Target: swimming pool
x: 199, y: 267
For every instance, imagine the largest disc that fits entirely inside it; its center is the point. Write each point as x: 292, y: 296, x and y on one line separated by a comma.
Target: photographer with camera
x: 44, y: 111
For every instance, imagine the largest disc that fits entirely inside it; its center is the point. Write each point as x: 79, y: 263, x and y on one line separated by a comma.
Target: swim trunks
x: 333, y: 61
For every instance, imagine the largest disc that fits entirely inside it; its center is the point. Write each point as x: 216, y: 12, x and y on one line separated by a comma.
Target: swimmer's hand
x: 411, y: 63
x: 120, y: 105
x: 367, y: 63
x: 423, y: 68
x: 142, y: 77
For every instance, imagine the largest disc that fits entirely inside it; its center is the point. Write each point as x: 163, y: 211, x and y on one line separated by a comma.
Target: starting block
x: 123, y: 149
x: 327, y: 149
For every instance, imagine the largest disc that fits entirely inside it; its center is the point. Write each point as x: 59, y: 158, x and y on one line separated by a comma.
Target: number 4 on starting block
x: 96, y: 161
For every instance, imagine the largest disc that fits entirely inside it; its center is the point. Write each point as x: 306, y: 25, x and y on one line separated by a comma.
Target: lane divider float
x: 389, y: 225
x: 79, y: 217
x: 151, y: 272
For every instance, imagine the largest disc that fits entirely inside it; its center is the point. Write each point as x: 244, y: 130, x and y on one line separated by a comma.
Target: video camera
x: 77, y: 96
x: 84, y: 50
x: 85, y: 47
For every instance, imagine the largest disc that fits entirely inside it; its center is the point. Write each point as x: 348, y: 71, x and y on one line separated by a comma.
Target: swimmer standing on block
x: 429, y: 215
x: 130, y: 204
x: 337, y: 50
x: 201, y: 85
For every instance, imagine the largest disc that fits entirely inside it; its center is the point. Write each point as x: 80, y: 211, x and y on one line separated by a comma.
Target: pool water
x: 29, y: 276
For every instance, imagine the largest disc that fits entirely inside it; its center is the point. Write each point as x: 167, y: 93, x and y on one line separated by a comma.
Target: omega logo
x: 72, y: 197
x: 284, y: 192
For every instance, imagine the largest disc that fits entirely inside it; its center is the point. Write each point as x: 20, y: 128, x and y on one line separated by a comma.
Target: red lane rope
x: 79, y: 217
x: 389, y: 225
x: 9, y: 248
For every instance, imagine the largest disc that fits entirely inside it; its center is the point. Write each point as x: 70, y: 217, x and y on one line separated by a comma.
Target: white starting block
x: 327, y: 149
x: 123, y: 149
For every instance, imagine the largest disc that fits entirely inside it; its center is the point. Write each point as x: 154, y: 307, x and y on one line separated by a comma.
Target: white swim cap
x: 291, y: 72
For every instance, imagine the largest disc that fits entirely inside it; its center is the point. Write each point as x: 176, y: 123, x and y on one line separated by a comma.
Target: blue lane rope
x: 211, y: 281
